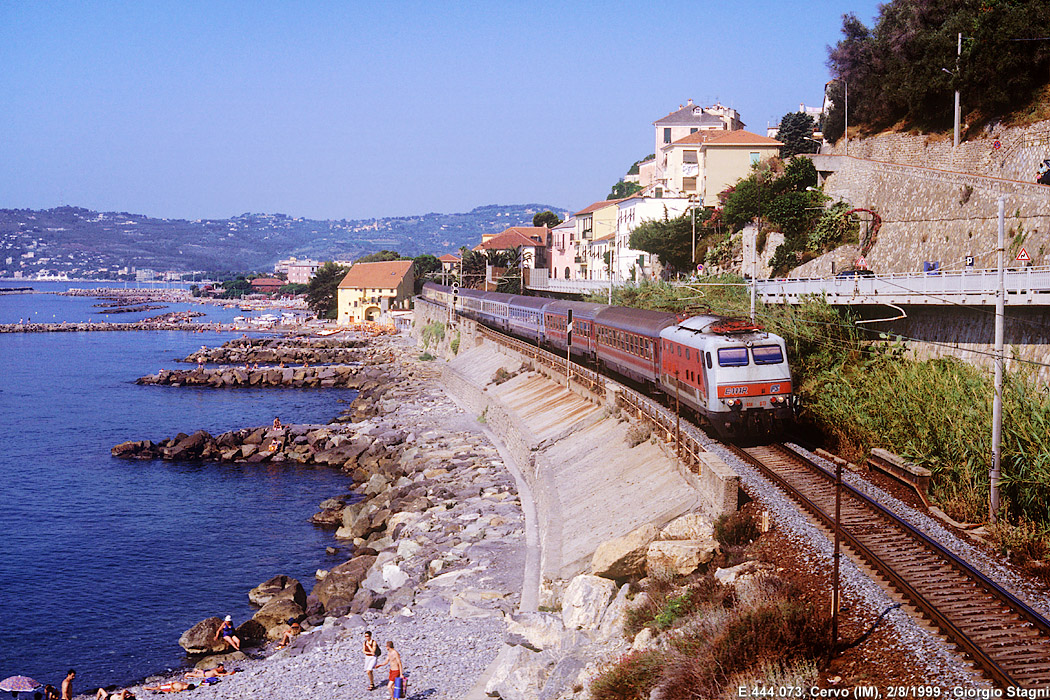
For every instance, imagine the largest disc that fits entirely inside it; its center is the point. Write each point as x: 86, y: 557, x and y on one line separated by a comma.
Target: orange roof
x: 605, y: 237
x: 515, y: 237
x: 598, y: 205
x: 739, y: 138
x: 450, y: 257
x: 696, y: 137
x: 377, y: 275
x: 268, y: 282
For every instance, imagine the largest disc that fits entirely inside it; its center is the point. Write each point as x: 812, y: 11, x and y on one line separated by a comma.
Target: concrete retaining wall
x: 589, y: 485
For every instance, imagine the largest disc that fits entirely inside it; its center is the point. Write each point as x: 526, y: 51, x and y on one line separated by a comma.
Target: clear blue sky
x: 351, y: 110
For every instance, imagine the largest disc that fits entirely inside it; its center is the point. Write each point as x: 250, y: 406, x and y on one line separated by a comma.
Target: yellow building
x: 728, y: 156
x: 371, y: 289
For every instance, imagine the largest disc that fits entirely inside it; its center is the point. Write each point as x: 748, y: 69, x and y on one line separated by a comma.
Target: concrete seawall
x: 588, y: 484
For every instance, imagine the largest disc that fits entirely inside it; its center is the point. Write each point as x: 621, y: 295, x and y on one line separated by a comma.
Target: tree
x: 668, y: 239
x: 545, y: 218
x: 321, y: 296
x: 423, y: 265
x: 473, y: 266
x: 636, y: 166
x: 796, y: 133
x: 381, y: 256
x: 624, y: 189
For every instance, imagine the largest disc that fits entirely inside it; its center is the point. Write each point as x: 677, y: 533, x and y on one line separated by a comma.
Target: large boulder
x: 280, y: 585
x: 538, y: 631
x: 741, y: 575
x: 615, y: 615
x: 340, y: 585
x: 624, y: 557
x: 520, y: 674
x: 585, y: 601
x: 691, y: 526
x: 680, y: 557
x: 275, y: 614
x: 200, y: 639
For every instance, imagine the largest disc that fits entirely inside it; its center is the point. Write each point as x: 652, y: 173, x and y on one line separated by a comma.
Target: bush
x: 454, y: 345
x: 637, y: 433
x: 736, y: 529
x: 632, y: 677
x: 433, y: 333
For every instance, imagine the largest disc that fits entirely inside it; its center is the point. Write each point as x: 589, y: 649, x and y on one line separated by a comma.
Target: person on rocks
x: 393, y: 661
x: 51, y: 693
x: 277, y: 423
x: 289, y: 634
x: 169, y: 687
x: 228, y: 634
x: 370, y: 649
x: 67, y: 685
x: 124, y: 694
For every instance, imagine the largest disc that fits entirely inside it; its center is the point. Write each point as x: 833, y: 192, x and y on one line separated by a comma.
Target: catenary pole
x: 997, y: 401
x: 958, y: 112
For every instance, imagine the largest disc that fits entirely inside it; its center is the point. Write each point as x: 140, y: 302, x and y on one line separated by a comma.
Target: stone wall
x: 968, y: 334
x: 1017, y: 157
x: 933, y: 215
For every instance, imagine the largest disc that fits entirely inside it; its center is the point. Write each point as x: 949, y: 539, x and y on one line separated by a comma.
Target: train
x: 731, y: 372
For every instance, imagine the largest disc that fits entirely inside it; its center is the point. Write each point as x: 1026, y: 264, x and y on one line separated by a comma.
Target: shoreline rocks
x: 325, y: 376
x: 290, y: 351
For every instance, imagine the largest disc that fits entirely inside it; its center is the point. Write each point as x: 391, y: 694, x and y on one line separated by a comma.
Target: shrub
x: 426, y: 357
x: 433, y: 333
x: 736, y: 529
x: 632, y: 677
x: 637, y: 433
x: 454, y: 345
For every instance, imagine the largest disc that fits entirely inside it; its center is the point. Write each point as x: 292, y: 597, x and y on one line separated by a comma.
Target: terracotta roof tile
x: 450, y: 257
x: 377, y: 275
x: 515, y: 237
x: 739, y: 138
x: 597, y: 205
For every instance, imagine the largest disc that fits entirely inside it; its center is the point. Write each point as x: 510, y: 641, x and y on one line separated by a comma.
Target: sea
x: 105, y: 562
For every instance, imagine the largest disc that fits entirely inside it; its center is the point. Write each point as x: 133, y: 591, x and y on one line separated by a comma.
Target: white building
x: 634, y: 264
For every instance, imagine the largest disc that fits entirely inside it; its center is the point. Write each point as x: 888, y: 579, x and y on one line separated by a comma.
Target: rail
x: 906, y: 580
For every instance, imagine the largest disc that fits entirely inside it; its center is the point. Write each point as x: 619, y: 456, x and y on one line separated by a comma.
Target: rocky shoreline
x: 438, y: 542
x: 327, y: 376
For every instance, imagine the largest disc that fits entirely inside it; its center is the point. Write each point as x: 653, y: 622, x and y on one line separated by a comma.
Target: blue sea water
x: 105, y: 562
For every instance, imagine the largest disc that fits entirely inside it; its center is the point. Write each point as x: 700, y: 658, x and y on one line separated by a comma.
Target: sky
x: 333, y: 110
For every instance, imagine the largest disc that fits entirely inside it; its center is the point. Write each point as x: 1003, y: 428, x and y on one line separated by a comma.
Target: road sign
x: 969, y: 261
x: 862, y: 264
x: 700, y: 268
x: 997, y: 144
x: 1023, y: 256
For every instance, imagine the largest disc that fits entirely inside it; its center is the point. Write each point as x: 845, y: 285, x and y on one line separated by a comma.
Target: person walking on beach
x: 371, y: 651
x: 67, y: 685
x: 393, y: 660
x: 228, y: 635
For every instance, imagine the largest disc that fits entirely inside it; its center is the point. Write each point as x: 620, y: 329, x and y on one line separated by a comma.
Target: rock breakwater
x: 276, y: 350
x: 343, y: 376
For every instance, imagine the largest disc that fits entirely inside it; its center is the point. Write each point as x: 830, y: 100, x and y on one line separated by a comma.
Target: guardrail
x: 687, y: 448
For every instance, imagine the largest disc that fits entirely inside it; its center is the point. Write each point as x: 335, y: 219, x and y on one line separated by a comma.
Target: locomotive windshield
x: 732, y: 357
x: 767, y: 354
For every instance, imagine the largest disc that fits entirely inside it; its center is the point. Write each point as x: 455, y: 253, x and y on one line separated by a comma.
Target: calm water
x: 105, y: 562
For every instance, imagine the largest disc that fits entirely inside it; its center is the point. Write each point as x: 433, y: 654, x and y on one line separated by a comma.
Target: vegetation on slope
x: 861, y: 390
x: 903, y: 71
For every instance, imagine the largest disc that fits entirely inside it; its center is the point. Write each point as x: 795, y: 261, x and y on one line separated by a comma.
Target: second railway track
x: 1003, y: 635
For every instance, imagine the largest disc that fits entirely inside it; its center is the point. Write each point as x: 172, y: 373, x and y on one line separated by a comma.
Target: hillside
x: 83, y: 243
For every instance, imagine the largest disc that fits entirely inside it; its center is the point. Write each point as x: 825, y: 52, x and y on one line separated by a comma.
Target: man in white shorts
x: 371, y: 651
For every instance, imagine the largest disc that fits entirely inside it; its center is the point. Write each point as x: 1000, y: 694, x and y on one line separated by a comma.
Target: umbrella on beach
x: 19, y: 683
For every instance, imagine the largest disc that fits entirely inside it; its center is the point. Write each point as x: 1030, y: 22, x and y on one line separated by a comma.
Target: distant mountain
x: 81, y: 242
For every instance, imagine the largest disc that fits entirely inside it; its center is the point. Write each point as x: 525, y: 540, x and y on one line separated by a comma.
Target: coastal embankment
x: 288, y: 350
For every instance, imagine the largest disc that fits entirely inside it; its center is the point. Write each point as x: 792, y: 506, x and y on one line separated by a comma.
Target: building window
x: 659, y: 194
x: 755, y: 158
x: 693, y: 130
x: 689, y: 157
x: 566, y: 273
x: 689, y: 184
x: 667, y: 136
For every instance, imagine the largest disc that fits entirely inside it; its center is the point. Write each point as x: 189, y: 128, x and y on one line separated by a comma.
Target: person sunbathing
x: 169, y: 687
x: 217, y: 672
x: 124, y: 694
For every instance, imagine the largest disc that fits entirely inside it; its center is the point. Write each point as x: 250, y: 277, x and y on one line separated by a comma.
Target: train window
x: 687, y: 353
x: 708, y: 359
x: 679, y: 350
x: 732, y: 357
x: 767, y: 354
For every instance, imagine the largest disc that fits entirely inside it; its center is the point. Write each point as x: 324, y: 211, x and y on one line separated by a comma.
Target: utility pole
x: 958, y: 116
x: 997, y: 401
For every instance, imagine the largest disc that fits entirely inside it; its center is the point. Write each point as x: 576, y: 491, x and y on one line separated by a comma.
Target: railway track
x: 1005, y: 637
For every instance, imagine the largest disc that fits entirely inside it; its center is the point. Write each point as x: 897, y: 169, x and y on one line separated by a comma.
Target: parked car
x: 856, y: 273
